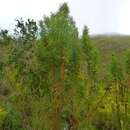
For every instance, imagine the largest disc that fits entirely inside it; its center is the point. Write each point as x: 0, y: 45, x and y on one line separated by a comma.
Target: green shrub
x: 3, y: 115
x: 11, y: 120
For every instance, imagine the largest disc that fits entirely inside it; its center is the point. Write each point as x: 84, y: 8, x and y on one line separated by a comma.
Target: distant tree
x: 4, y: 36
x: 26, y: 31
x: 127, y: 90
x: 117, y: 76
x: 127, y: 63
x: 90, y: 57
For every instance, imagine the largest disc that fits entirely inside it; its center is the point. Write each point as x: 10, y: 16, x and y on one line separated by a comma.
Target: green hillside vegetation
x: 108, y: 45
x: 53, y: 79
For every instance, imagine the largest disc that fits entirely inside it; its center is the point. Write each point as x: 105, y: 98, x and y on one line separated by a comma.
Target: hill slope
x: 108, y: 45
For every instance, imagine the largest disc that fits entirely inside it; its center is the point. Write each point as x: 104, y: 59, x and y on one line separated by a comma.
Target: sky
x: 101, y: 16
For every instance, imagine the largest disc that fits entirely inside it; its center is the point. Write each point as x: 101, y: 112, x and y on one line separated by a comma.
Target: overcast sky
x: 101, y: 16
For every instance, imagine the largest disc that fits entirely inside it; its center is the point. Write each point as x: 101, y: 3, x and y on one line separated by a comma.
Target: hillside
x: 108, y: 45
